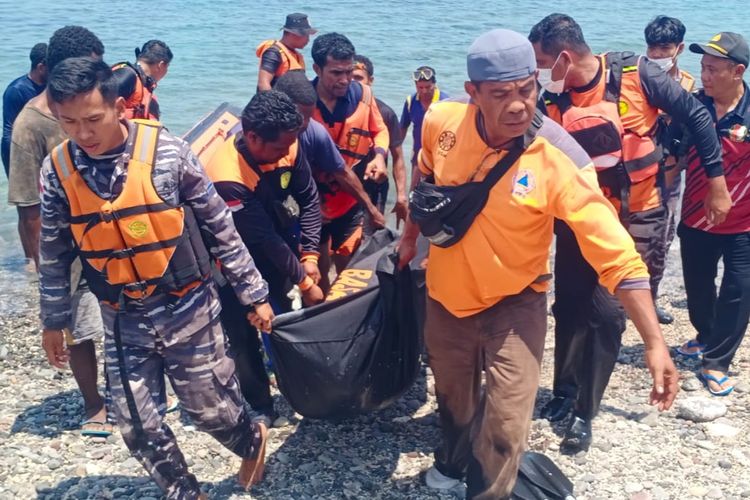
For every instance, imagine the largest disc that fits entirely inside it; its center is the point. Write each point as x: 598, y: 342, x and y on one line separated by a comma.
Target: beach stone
x: 580, y: 487
x: 54, y: 464
x: 650, y: 419
x: 3, y: 353
x: 691, y: 384
x: 697, y: 491
x: 725, y: 464
x: 700, y: 409
x: 742, y: 387
x: 715, y: 493
x: 706, y: 445
x: 641, y: 495
x: 721, y: 430
x: 633, y: 487
x: 282, y: 421
x: 604, y: 446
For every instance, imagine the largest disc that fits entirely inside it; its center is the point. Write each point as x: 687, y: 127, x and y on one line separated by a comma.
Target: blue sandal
x: 691, y: 344
x: 96, y: 428
x: 707, y: 377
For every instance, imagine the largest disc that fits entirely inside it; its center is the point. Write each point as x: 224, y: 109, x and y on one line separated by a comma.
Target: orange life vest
x: 228, y: 165
x: 687, y: 81
x: 290, y: 59
x: 354, y: 142
x: 617, y: 130
x: 135, y: 244
x: 138, y: 105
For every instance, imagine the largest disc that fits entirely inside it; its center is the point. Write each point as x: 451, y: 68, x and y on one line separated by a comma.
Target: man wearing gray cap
x: 486, y: 309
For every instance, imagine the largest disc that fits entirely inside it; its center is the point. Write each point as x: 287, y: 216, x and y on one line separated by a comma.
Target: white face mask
x: 545, y: 79
x: 665, y: 63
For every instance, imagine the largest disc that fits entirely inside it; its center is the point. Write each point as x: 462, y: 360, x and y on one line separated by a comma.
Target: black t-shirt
x: 391, y: 122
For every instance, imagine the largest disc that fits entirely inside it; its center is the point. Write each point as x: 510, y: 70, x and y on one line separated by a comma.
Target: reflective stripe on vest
x: 131, y: 239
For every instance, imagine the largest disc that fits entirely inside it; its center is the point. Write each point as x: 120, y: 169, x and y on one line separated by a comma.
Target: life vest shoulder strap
x: 146, y: 141
x: 62, y: 160
x: 366, y: 95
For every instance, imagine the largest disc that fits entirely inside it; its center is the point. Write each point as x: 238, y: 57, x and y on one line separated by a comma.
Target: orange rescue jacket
x: 138, y: 104
x: 135, y: 244
x: 290, y: 59
x: 617, y: 127
x: 354, y: 142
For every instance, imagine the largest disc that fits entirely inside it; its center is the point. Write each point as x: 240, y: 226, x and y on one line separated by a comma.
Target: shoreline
x: 636, y: 453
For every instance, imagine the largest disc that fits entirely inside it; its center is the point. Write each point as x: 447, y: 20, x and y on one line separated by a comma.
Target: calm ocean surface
x: 214, y: 45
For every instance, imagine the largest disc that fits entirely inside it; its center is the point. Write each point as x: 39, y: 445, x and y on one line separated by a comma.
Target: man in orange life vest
x: 133, y: 202
x: 611, y: 105
x: 137, y: 82
x: 665, y: 42
x: 264, y: 177
x: 349, y: 112
x: 486, y: 307
x: 279, y: 56
x: 720, y: 321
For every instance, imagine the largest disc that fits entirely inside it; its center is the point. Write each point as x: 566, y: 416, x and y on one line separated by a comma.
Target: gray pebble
x: 715, y: 493
x: 725, y: 464
x: 53, y: 464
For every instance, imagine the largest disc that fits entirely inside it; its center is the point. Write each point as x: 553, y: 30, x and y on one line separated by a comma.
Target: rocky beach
x: 699, y: 449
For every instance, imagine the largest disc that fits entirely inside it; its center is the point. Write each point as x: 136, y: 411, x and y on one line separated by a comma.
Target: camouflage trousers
x: 185, y: 340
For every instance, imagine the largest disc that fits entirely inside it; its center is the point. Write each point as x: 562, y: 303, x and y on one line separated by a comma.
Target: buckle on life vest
x: 138, y: 286
x: 121, y: 254
x: 108, y: 216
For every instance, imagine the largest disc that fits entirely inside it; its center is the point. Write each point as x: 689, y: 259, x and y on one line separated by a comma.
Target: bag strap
x: 515, y: 152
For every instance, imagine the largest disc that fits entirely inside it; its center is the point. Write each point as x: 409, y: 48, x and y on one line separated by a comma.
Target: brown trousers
x: 485, y: 431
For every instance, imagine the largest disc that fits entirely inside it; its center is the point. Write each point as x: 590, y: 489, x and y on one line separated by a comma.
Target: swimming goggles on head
x: 423, y: 74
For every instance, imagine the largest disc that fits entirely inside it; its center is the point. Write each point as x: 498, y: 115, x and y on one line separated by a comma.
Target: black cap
x: 726, y: 45
x: 298, y: 24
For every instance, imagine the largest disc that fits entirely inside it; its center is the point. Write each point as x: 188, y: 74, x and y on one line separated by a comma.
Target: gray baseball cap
x: 500, y: 55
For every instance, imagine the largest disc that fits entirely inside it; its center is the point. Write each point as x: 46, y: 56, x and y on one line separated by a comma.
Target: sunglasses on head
x: 423, y: 74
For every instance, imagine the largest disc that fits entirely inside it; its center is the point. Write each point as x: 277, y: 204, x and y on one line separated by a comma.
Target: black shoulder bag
x: 445, y: 213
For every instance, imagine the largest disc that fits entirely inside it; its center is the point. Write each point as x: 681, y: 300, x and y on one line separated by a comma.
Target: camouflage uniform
x: 179, y: 336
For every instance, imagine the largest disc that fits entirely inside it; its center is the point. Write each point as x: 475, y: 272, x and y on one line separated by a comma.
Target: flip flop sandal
x: 707, y: 377
x: 100, y: 429
x: 691, y: 344
x: 253, y: 476
x: 173, y: 404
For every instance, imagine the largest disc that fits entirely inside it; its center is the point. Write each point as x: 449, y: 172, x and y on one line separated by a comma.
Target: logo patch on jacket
x: 523, y: 183
x: 286, y: 178
x: 738, y: 133
x: 138, y: 229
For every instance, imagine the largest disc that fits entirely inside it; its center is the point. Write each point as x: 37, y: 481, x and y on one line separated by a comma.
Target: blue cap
x: 501, y: 56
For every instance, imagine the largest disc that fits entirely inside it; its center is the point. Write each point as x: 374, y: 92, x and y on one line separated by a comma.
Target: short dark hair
x: 270, y: 113
x: 366, y: 62
x: 295, y: 84
x: 558, y: 32
x: 153, y: 52
x: 38, y: 55
x: 664, y: 30
x: 332, y: 44
x: 77, y: 75
x: 72, y: 41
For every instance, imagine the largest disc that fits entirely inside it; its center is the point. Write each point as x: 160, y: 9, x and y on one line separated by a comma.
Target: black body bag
x: 359, y: 351
x: 445, y: 213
